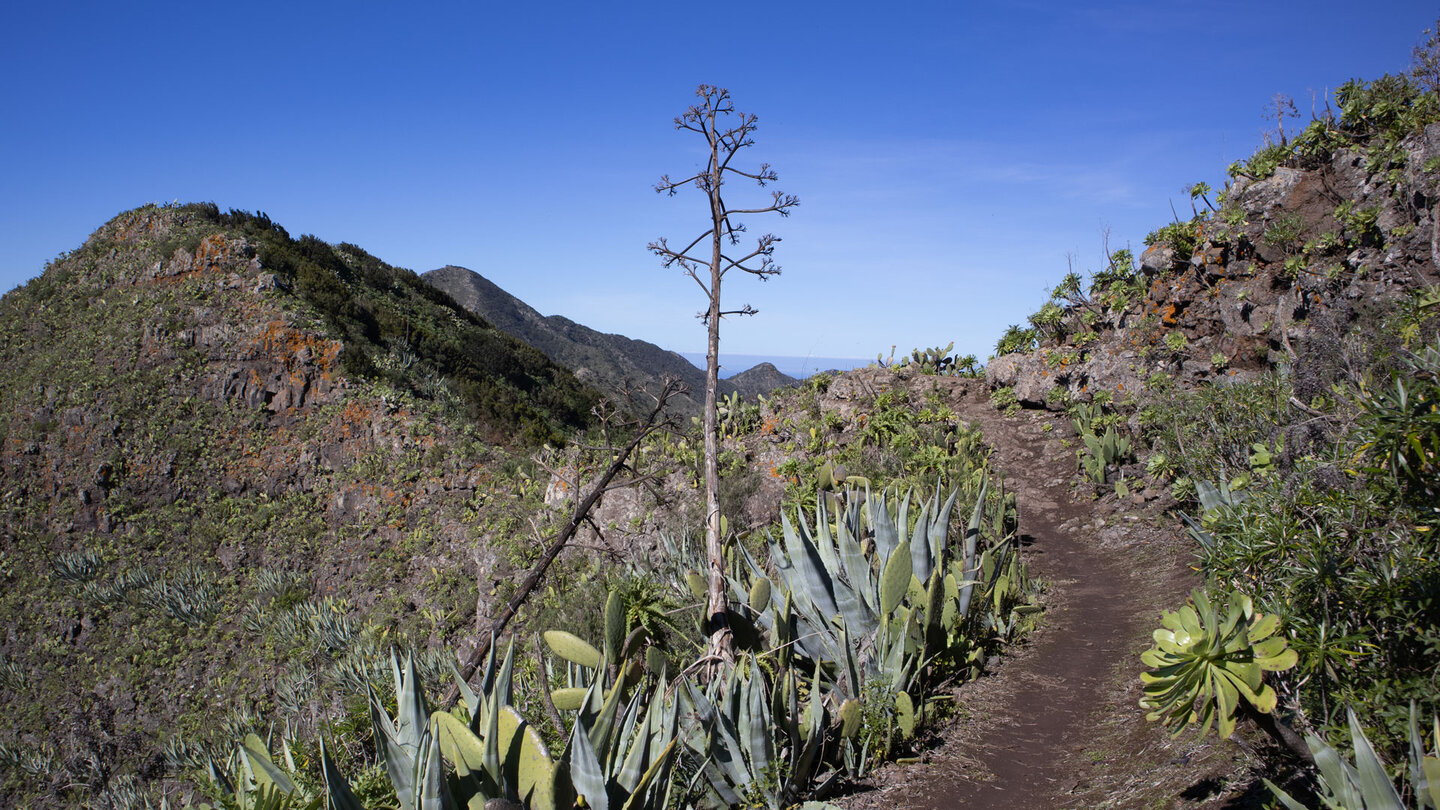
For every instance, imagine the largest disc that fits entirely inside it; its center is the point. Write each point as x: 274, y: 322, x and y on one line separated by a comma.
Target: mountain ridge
x: 212, y: 436
x: 612, y: 362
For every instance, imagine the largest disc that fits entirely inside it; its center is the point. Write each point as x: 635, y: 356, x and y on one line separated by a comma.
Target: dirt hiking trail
x: 1056, y: 722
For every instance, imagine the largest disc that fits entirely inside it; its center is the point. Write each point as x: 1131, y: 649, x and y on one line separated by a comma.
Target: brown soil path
x: 1056, y: 723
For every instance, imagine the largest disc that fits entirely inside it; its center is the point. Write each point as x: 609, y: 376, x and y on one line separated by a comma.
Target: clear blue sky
x: 948, y: 155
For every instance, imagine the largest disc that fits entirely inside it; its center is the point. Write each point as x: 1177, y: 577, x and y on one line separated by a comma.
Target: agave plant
x: 1102, y: 452
x: 621, y: 759
x: 496, y: 755
x: 406, y: 743
x: 250, y: 779
x: 617, y: 754
x: 620, y: 753
x: 1209, y: 664
x: 874, y: 594
x: 1364, y: 784
x: 829, y: 589
x: 760, y: 747
x: 76, y: 567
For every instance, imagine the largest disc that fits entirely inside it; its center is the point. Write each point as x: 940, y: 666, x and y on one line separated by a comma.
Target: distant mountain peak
x: 762, y: 378
x: 610, y: 362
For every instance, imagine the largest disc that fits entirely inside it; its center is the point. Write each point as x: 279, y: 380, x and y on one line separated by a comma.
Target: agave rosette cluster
x: 879, y: 598
x: 760, y: 743
x: 880, y: 590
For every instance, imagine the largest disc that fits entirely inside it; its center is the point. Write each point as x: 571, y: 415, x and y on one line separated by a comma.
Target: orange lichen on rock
x: 358, y: 412
x: 213, y: 253
x: 297, y: 348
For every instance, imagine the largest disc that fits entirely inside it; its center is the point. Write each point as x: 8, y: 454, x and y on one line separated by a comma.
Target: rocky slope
x: 1230, y: 370
x: 609, y: 362
x: 232, y: 466
x: 1348, y: 219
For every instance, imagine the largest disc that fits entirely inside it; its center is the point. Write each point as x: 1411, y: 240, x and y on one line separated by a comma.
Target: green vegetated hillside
x: 1274, y: 364
x: 241, y: 468
x: 232, y: 461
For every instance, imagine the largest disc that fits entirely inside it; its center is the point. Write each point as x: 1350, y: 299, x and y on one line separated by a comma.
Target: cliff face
x: 1337, y: 230
x: 206, y: 462
x: 612, y: 363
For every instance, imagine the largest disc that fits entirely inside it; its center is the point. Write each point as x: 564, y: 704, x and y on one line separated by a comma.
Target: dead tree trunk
x: 705, y: 119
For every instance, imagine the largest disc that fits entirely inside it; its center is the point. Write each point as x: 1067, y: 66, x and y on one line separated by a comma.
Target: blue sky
x: 948, y: 155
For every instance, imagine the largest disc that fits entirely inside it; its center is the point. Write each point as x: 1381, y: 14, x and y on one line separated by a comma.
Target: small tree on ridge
x: 726, y: 132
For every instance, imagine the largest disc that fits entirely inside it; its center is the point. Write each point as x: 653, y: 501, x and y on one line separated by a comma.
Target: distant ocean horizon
x: 797, y: 367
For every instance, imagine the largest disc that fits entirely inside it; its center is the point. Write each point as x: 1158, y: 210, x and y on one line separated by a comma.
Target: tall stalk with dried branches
x: 726, y: 132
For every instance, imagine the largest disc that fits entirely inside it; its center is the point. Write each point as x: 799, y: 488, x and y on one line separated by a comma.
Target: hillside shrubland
x: 193, y: 464
x: 1270, y: 364
x: 221, y: 438
x: 260, y: 491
